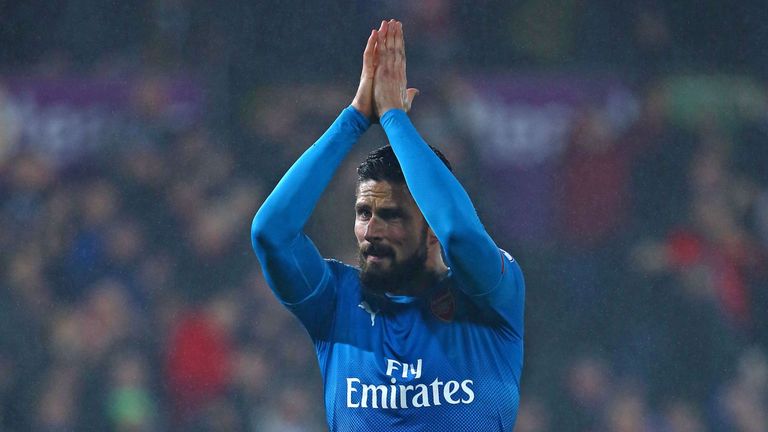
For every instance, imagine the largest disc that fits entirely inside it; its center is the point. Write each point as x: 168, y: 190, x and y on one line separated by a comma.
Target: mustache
x: 377, y: 250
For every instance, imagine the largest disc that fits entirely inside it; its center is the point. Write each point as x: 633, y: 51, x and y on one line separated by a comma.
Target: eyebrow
x: 391, y: 212
x: 384, y: 211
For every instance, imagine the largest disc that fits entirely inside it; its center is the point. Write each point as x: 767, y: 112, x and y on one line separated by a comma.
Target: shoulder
x: 341, y: 269
x: 509, y: 264
x: 347, y: 277
x: 349, y: 292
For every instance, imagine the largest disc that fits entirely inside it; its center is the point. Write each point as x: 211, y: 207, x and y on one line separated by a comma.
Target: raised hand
x: 363, y: 100
x: 390, y: 89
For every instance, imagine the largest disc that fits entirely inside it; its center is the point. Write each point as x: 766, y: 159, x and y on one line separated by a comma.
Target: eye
x: 363, y: 214
x: 391, y: 214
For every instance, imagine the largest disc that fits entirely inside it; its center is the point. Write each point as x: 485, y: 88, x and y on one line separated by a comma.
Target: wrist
x: 366, y: 110
x: 360, y: 108
x: 361, y: 120
x: 386, y: 110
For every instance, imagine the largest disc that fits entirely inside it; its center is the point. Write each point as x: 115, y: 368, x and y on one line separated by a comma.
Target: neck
x: 434, y: 271
x: 416, y: 286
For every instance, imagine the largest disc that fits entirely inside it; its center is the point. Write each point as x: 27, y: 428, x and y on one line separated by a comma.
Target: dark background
x: 617, y: 149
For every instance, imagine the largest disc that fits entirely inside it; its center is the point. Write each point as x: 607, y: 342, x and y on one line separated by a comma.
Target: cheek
x: 406, y: 247
x: 400, y: 239
x: 411, y: 240
x: 359, y: 231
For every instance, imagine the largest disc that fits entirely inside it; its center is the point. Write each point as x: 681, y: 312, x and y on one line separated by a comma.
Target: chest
x: 438, y: 337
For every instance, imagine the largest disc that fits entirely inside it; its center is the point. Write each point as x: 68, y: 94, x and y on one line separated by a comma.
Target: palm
x: 390, y: 86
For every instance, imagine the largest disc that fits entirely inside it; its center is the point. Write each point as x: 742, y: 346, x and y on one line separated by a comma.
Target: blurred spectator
x: 533, y: 416
x: 593, y: 202
x: 130, y: 404
x: 594, y: 183
x: 743, y: 402
x: 543, y: 31
x: 430, y: 30
x: 199, y: 358
x: 86, y: 259
x: 108, y: 320
x: 9, y: 126
x: 682, y: 416
x: 291, y: 412
x: 713, y: 252
x: 659, y: 191
x: 652, y: 39
x: 220, y: 415
x: 251, y: 381
x: 628, y: 411
x: 58, y: 407
x: 587, y: 390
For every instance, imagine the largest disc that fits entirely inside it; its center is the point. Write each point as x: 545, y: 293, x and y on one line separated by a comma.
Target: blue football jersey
x: 447, y: 360
x: 443, y: 361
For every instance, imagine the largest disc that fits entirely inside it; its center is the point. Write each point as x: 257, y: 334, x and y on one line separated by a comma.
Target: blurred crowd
x: 130, y: 299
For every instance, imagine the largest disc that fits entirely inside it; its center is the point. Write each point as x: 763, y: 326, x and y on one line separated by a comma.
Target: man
x: 428, y: 333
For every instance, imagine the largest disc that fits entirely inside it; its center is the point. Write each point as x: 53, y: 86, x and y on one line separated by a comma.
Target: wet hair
x: 382, y: 165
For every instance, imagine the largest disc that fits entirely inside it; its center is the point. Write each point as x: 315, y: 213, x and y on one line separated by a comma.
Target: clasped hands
x: 383, y: 83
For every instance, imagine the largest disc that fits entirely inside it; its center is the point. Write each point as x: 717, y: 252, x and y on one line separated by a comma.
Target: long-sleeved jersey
x: 448, y: 359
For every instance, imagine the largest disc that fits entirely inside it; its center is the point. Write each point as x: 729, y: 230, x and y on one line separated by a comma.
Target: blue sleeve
x: 483, y: 270
x: 291, y: 263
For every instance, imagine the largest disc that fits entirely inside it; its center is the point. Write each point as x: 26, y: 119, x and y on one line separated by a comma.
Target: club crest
x: 443, y: 305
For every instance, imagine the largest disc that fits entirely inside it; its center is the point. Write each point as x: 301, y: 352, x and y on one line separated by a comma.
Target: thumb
x: 411, y: 93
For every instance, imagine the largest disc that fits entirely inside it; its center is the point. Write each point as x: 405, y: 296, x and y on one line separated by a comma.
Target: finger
x: 411, y: 94
x: 381, y: 37
x: 389, y: 48
x: 399, y: 36
x: 402, y: 52
x: 375, y: 52
x: 383, y: 33
x: 370, y: 46
x: 399, y: 48
x: 391, y: 31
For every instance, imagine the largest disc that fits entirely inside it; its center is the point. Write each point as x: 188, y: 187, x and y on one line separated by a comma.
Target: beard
x: 399, y: 275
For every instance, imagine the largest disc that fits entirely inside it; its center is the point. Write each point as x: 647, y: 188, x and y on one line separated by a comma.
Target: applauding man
x: 427, y: 333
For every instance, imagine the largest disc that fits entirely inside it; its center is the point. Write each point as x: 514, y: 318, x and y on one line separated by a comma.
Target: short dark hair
x: 382, y: 165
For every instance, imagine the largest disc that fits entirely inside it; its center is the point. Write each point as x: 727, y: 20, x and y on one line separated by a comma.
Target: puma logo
x: 366, y: 307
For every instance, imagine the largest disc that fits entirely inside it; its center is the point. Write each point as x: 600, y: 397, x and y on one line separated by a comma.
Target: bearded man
x: 427, y: 334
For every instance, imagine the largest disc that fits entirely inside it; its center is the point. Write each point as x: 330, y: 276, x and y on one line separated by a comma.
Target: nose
x: 373, y: 229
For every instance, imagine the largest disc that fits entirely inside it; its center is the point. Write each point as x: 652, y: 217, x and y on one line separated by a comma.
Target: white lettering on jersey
x: 351, y: 389
x: 412, y: 370
x: 417, y: 395
x: 397, y: 396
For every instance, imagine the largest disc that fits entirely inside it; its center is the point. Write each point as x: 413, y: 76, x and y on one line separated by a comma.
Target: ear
x: 431, y: 237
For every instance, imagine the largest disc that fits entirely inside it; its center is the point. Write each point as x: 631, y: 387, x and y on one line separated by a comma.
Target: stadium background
x: 617, y: 149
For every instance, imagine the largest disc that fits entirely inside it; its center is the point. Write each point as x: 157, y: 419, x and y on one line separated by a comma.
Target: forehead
x: 384, y: 192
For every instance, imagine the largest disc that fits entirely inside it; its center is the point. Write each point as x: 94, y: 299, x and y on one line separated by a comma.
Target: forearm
x: 286, y: 210
x: 291, y: 264
x: 470, y: 251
